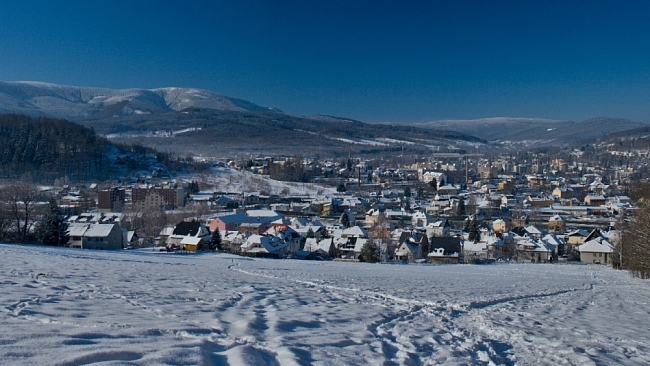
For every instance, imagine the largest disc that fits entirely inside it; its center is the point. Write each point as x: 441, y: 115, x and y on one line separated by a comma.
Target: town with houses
x: 325, y: 183
x: 444, y: 209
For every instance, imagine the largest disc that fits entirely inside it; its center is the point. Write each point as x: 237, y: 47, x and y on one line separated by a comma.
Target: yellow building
x: 556, y: 224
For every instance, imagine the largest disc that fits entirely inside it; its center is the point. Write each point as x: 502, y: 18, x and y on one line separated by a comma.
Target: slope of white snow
x: 71, y: 307
x: 232, y: 180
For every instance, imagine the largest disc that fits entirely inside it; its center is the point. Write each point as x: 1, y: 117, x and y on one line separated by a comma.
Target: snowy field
x: 232, y: 180
x: 72, y: 307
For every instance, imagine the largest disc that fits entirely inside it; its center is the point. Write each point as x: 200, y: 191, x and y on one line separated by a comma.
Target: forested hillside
x: 44, y: 149
x: 216, y: 132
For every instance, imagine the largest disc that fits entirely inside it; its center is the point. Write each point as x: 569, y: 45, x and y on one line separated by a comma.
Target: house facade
x: 96, y: 236
x: 186, y: 229
x: 596, y: 251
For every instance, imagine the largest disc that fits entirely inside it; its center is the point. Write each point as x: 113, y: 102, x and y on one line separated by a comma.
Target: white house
x: 264, y: 245
x: 597, y: 251
x: 350, y: 248
x: 439, y: 228
x: 323, y: 247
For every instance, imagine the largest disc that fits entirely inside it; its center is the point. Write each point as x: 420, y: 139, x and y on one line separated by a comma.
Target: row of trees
x: 634, y: 246
x: 28, y: 215
x: 290, y: 170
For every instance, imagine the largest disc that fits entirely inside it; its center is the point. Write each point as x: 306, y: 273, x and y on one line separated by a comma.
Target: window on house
x: 600, y: 254
x: 594, y: 254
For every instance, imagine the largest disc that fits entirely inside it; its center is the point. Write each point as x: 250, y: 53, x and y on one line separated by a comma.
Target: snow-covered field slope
x: 71, y: 307
x: 232, y: 180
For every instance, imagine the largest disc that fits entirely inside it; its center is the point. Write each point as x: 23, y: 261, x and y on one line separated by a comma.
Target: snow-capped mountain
x: 72, y: 102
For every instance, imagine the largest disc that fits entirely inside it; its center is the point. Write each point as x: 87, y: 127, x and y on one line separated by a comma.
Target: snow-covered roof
x: 305, y: 229
x: 269, y: 243
x: 77, y: 229
x: 312, y: 245
x: 579, y: 232
x: 535, y: 246
x: 551, y: 239
x: 191, y: 240
x: 359, y: 244
x: 470, y: 246
x: 405, y: 248
x: 447, y: 187
x: 233, y: 236
x: 532, y: 230
x: 99, y: 230
x: 597, y: 246
x: 353, y: 231
x: 596, y: 197
x: 441, y: 253
x: 262, y: 213
x: 167, y: 231
x: 227, y: 219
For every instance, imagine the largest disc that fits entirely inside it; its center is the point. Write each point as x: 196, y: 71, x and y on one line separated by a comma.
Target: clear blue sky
x: 370, y: 60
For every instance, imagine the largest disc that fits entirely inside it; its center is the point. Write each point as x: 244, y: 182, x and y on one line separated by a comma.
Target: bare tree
x: 21, y: 201
x: 634, y: 244
x: 381, y: 237
x: 5, y: 220
x: 153, y: 221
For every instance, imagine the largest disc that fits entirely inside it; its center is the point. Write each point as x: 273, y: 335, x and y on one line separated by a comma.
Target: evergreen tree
x: 345, y: 220
x: 474, y: 232
x: 407, y: 199
x: 333, y: 252
x: 310, y: 233
x: 53, y: 229
x: 460, y: 209
x: 215, y: 241
x: 407, y: 205
x: 193, y: 187
x: 433, y: 184
x: 369, y: 252
x: 341, y: 187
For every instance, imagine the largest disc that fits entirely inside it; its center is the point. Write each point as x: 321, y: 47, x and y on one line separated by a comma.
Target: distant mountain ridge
x: 76, y: 103
x: 534, y: 131
x: 191, y: 120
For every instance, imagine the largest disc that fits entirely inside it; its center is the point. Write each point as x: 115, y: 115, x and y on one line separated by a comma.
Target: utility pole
x: 359, y: 176
x: 466, y: 171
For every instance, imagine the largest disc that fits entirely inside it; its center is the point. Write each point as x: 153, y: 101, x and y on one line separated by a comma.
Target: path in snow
x: 64, y: 306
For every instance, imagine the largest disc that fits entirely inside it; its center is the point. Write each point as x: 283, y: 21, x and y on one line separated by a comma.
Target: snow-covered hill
x: 72, y: 102
x: 73, y: 307
x: 510, y: 131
